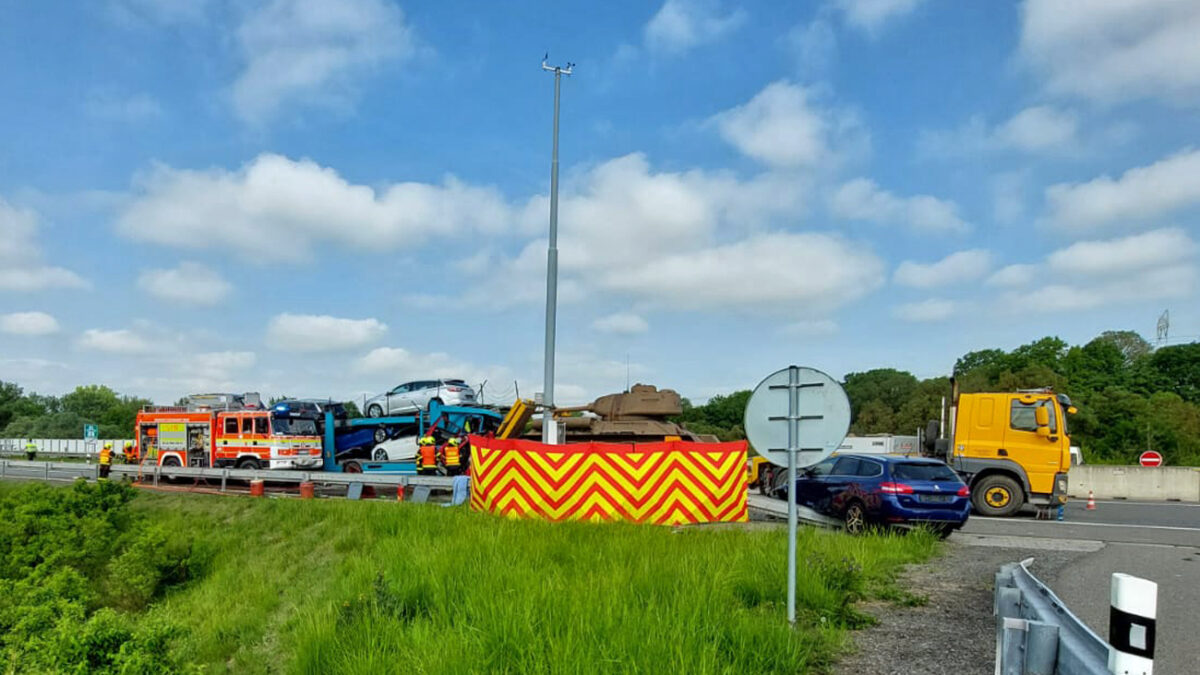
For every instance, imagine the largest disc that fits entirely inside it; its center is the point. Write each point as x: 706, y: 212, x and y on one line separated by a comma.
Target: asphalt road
x: 1156, y: 541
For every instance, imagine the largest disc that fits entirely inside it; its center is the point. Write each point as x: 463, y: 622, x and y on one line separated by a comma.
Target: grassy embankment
x: 100, y: 579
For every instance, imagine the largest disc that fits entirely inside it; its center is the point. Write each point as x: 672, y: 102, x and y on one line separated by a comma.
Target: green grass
x: 283, y: 585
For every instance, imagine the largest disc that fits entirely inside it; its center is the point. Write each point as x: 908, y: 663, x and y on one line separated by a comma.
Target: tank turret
x: 640, y: 415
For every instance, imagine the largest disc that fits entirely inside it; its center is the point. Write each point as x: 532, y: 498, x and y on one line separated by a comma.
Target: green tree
x: 874, y: 417
x: 889, y: 386
x: 1132, y: 345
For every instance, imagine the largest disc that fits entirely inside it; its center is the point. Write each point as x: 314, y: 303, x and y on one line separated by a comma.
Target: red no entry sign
x: 1150, y: 458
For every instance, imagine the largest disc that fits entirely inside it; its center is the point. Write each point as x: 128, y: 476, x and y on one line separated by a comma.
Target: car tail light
x: 456, y: 389
x: 895, y: 488
x: 964, y: 491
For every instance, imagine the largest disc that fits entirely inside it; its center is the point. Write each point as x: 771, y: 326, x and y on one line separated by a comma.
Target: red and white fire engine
x: 225, y: 431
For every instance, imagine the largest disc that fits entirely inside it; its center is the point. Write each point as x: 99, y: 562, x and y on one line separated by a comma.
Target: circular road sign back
x: 1150, y: 458
x: 821, y: 405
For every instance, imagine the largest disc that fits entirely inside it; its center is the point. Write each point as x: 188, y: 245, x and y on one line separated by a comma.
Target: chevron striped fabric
x: 667, y: 483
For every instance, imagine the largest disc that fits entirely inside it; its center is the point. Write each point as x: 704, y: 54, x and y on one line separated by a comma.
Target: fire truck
x: 226, y: 432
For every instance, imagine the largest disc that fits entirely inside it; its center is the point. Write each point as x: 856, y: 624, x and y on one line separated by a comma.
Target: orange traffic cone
x: 1091, y: 502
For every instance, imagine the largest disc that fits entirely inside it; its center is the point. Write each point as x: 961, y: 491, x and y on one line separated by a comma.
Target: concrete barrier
x: 1138, y: 483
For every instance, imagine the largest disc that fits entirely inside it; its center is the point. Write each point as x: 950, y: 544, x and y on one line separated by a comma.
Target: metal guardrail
x: 1037, y: 634
x: 70, y: 471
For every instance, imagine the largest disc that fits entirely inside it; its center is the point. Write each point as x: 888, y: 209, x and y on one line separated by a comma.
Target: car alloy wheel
x: 856, y: 519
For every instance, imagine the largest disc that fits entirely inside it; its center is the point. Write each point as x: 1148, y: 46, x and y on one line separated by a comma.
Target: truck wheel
x: 375, y: 411
x: 170, y: 461
x: 997, y: 496
x: 248, y: 463
x: 352, y: 467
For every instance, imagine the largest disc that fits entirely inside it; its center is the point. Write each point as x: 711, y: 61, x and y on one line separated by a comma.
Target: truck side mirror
x: 1042, y: 415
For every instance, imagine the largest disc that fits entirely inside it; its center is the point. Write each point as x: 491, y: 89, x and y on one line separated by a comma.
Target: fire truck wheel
x: 248, y: 463
x: 170, y: 461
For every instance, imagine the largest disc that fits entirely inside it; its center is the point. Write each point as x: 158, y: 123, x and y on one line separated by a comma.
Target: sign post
x: 816, y: 413
x: 1150, y: 458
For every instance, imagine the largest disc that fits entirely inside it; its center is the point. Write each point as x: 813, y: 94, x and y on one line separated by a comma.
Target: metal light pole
x: 549, y: 430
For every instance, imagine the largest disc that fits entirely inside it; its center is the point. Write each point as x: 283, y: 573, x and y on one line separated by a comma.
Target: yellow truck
x: 1012, y: 449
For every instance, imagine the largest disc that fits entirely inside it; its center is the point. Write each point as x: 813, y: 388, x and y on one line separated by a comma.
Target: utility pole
x: 549, y: 429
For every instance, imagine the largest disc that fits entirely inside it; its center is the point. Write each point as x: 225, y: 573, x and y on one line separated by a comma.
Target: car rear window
x: 922, y: 471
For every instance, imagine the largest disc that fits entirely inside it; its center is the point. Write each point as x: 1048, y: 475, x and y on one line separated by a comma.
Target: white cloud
x: 21, y: 268
x: 304, y: 333
x: 28, y: 323
x: 621, y: 323
x: 870, y: 16
x: 926, y: 311
x: 401, y: 364
x: 189, y: 283
x: 862, y: 199
x: 275, y: 209
x: 1014, y: 276
x: 954, y: 268
x: 681, y: 25
x: 312, y: 51
x: 1154, y: 265
x: 1140, y: 195
x: 672, y: 238
x: 1038, y: 129
x: 1115, y: 51
x: 783, y: 126
x: 122, y: 341
x: 1118, y: 257
x: 810, y: 328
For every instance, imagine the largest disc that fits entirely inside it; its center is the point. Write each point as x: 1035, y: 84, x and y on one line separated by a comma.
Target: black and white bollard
x: 1131, y: 625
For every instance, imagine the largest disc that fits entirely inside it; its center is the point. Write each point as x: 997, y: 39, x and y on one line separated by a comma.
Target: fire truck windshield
x: 285, y: 426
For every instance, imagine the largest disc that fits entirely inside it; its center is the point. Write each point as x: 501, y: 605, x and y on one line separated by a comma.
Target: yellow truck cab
x: 1011, y: 449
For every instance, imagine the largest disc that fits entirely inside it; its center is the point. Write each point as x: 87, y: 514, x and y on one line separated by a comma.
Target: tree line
x: 1131, y: 397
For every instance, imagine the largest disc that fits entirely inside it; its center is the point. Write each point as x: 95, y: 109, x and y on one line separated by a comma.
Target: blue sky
x: 320, y: 198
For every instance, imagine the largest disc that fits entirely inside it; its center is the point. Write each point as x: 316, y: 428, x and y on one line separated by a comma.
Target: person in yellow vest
x: 452, y: 456
x: 106, y: 457
x: 30, y: 450
x: 426, y: 455
x: 127, y: 453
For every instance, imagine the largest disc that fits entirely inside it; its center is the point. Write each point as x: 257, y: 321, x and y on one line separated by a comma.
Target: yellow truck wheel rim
x: 997, y: 497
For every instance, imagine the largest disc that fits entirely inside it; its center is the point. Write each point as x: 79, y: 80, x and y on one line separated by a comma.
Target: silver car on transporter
x: 417, y: 395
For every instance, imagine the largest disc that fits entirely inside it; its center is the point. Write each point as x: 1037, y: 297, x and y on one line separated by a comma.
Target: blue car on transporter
x: 866, y: 490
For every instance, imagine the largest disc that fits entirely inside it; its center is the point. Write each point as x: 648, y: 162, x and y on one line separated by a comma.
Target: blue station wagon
x: 866, y: 490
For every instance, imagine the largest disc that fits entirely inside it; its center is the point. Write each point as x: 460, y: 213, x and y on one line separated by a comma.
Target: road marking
x: 1075, y: 522
x: 1017, y: 541
x: 1122, y: 501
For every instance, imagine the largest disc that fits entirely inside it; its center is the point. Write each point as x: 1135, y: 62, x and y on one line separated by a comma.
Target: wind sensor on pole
x: 549, y: 429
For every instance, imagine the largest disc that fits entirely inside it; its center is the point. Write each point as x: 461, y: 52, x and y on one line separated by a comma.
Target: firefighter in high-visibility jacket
x: 127, y: 453
x: 452, y: 456
x: 426, y: 455
x: 106, y: 457
x: 30, y: 450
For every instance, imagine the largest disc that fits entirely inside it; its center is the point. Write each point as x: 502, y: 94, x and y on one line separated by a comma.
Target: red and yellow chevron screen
x: 668, y: 483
